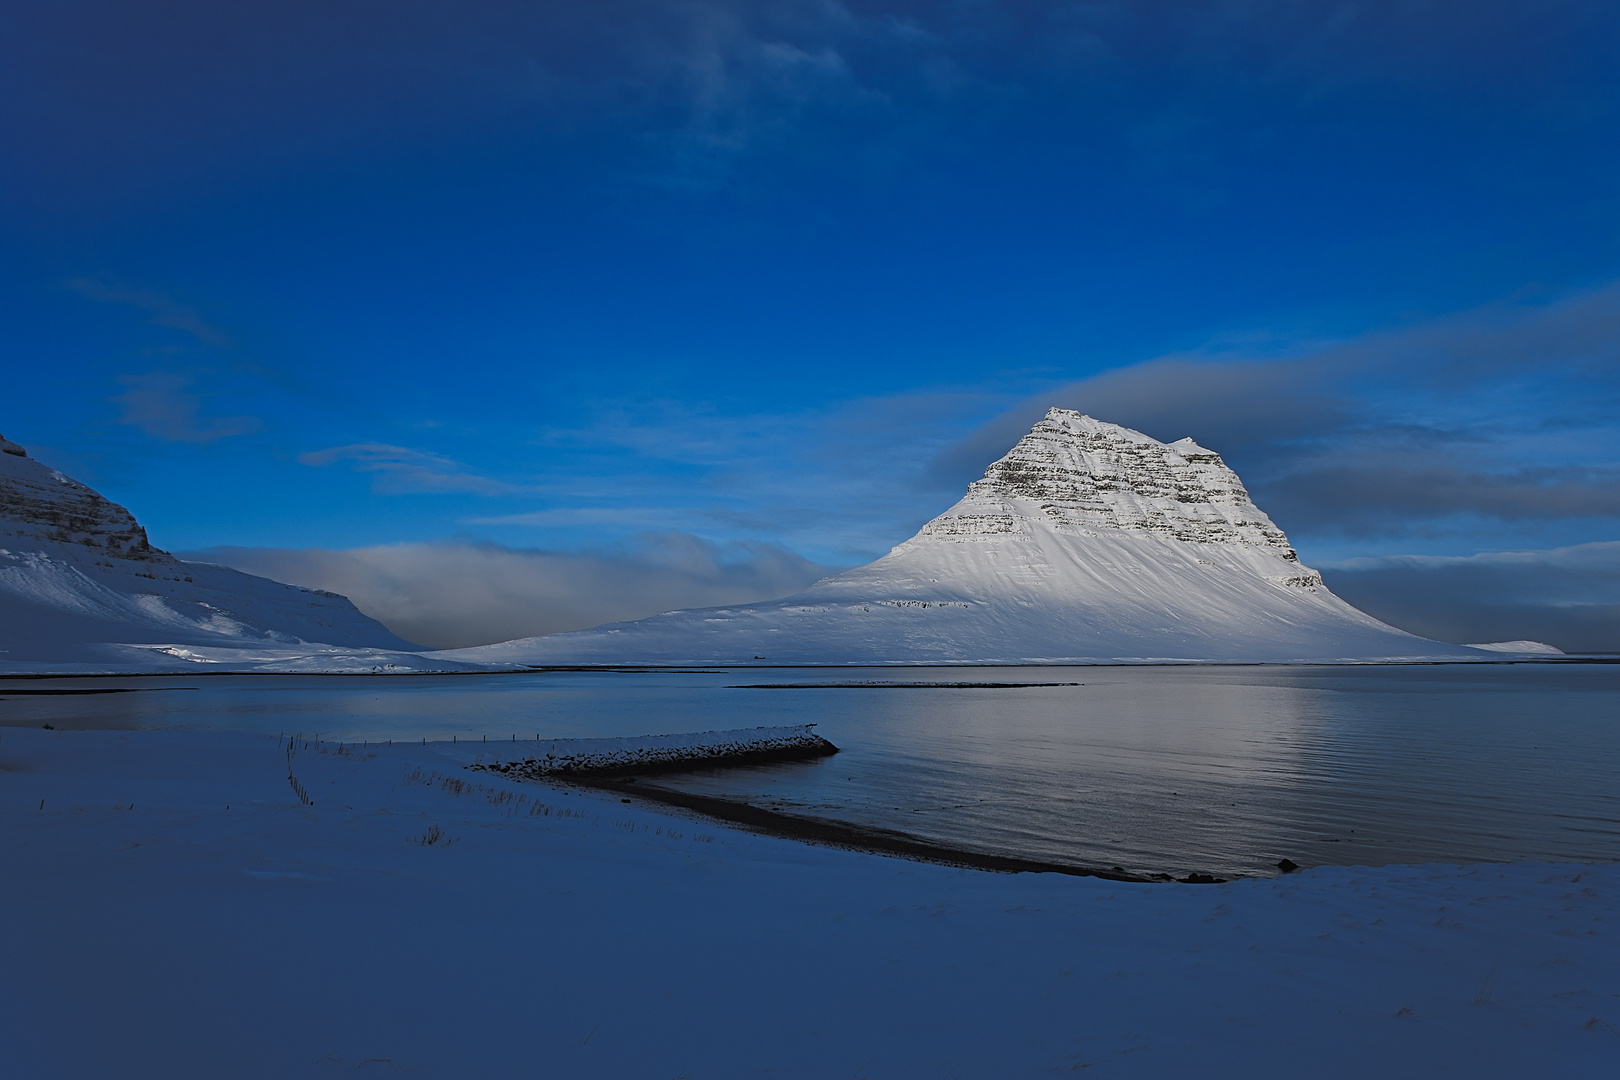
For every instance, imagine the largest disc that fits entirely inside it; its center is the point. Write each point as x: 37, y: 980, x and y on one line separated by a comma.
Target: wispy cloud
x: 164, y: 310
x: 455, y: 594
x: 844, y: 482
x: 1508, y: 412
x: 710, y: 77
x: 639, y: 517
x: 400, y: 469
x: 162, y: 405
x: 840, y: 484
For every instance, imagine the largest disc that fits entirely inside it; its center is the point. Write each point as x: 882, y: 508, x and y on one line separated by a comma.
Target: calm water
x: 1221, y: 770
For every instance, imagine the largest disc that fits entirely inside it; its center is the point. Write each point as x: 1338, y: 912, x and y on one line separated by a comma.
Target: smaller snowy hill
x: 81, y: 589
x: 1086, y: 543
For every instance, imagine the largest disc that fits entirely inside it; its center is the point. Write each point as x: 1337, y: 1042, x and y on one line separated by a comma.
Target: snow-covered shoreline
x: 321, y: 660
x: 172, y: 904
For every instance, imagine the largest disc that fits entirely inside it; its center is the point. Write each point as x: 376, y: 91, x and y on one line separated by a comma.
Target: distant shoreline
x: 723, y: 669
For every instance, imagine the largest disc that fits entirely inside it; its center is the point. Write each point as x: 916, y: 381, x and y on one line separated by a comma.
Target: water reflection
x: 1222, y: 770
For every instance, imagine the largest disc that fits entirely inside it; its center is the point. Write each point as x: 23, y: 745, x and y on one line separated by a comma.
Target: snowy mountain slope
x: 80, y: 585
x: 1087, y: 542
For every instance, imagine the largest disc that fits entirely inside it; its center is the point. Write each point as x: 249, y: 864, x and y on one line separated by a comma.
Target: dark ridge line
x: 900, y: 685
x: 844, y: 835
x: 8, y: 691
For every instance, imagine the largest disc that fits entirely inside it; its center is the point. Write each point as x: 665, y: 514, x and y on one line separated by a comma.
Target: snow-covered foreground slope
x: 82, y: 589
x: 172, y: 909
x: 1087, y: 542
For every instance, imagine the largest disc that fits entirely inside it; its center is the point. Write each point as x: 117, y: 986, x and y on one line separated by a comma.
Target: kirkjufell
x: 1086, y: 542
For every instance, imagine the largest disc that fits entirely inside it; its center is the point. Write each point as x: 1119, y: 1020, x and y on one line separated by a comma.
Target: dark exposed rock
x: 39, y: 503
x: 1089, y: 474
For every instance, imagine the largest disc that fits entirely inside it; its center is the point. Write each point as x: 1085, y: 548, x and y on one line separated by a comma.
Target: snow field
x: 175, y: 909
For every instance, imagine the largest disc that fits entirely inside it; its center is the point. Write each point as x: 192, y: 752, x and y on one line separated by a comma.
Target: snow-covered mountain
x: 81, y: 588
x: 1086, y: 542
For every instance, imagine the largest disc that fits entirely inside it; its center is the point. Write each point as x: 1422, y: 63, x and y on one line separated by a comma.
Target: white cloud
x: 454, y: 594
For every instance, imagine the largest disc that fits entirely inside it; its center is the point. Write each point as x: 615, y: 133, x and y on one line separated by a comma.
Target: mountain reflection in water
x: 1177, y: 769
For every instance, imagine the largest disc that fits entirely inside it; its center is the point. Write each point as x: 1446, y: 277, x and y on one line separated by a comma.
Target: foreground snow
x: 175, y: 910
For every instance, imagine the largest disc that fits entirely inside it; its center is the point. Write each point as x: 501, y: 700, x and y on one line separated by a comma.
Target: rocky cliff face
x: 80, y: 584
x: 37, y: 503
x: 1084, y: 476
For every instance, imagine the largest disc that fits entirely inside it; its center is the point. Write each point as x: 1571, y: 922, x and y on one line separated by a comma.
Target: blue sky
x: 764, y: 285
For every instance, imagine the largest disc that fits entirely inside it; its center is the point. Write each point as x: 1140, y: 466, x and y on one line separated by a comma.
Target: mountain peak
x: 1087, y: 542
x: 1084, y: 475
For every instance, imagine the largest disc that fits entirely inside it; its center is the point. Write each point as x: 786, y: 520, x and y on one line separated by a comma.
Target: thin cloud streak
x: 400, y: 469
x: 164, y: 310
x: 844, y: 483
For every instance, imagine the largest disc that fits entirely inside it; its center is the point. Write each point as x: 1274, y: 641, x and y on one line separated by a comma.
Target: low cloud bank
x: 457, y: 594
x: 1568, y: 597
x: 1486, y: 423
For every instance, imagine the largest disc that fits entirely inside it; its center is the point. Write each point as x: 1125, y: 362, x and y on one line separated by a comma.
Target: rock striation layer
x: 40, y: 505
x: 1086, y: 542
x: 1086, y: 475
